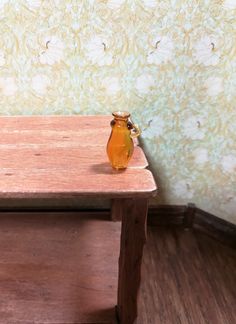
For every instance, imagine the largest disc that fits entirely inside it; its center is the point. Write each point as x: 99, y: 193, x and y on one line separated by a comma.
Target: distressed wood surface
x: 62, y: 157
x: 62, y: 131
x: 133, y: 238
x: 36, y: 183
x: 65, y: 156
x: 54, y: 123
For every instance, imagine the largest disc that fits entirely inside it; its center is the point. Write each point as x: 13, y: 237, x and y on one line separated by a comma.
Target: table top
x: 63, y: 157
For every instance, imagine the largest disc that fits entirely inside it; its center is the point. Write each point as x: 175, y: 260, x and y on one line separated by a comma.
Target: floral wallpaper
x: 171, y: 63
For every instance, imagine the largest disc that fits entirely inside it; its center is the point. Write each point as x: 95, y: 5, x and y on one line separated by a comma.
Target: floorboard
x: 61, y: 268
x: 188, y: 278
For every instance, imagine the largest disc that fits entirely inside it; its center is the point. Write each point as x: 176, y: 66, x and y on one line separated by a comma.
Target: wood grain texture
x: 54, y: 123
x: 67, y: 131
x: 58, y: 268
x: 62, y: 158
x: 65, y: 156
x: 62, y: 268
x: 116, y: 210
x: 188, y: 278
x: 166, y: 215
x: 215, y: 227
x: 192, y: 217
x: 37, y: 183
x: 133, y: 238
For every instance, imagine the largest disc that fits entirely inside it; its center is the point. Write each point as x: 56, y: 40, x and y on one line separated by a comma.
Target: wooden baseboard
x: 169, y: 215
x: 192, y: 217
x: 166, y: 215
x: 215, y: 227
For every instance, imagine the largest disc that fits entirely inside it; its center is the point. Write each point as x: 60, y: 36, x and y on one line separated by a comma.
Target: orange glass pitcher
x: 120, y: 145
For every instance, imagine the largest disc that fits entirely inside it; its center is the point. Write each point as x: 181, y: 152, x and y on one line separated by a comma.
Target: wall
x: 172, y: 64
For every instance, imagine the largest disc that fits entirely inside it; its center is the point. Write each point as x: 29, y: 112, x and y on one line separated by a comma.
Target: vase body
x: 120, y: 145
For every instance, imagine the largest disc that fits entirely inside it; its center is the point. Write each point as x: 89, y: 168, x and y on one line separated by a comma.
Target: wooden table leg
x: 133, y: 238
x: 116, y: 210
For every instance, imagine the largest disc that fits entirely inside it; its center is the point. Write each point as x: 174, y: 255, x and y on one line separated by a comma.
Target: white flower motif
x: 112, y: 85
x: 229, y: 4
x: 115, y: 4
x: 214, y: 86
x: 145, y: 83
x: 228, y: 163
x: 97, y: 51
x: 53, y: 52
x: 40, y: 83
x: 162, y: 52
x: 183, y: 189
x: 200, y: 155
x: 150, y: 3
x: 34, y: 4
x: 2, y: 59
x: 192, y: 128
x: 206, y: 51
x: 2, y: 3
x: 155, y: 128
x: 69, y: 7
x: 8, y: 86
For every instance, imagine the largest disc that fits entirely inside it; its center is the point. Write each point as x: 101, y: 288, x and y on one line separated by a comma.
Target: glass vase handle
x: 134, y: 129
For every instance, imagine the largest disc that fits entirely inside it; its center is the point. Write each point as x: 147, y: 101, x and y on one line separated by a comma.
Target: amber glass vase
x: 120, y: 145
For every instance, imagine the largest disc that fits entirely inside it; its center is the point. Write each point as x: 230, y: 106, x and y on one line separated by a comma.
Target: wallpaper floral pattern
x: 171, y: 63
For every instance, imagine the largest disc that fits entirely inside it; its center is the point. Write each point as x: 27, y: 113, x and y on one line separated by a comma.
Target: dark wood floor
x: 188, y: 278
x: 62, y: 269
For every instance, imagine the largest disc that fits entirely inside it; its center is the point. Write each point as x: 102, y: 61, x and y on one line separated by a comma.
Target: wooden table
x: 63, y: 157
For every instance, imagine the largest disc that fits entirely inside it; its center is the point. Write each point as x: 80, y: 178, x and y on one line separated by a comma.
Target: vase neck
x: 121, y: 115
